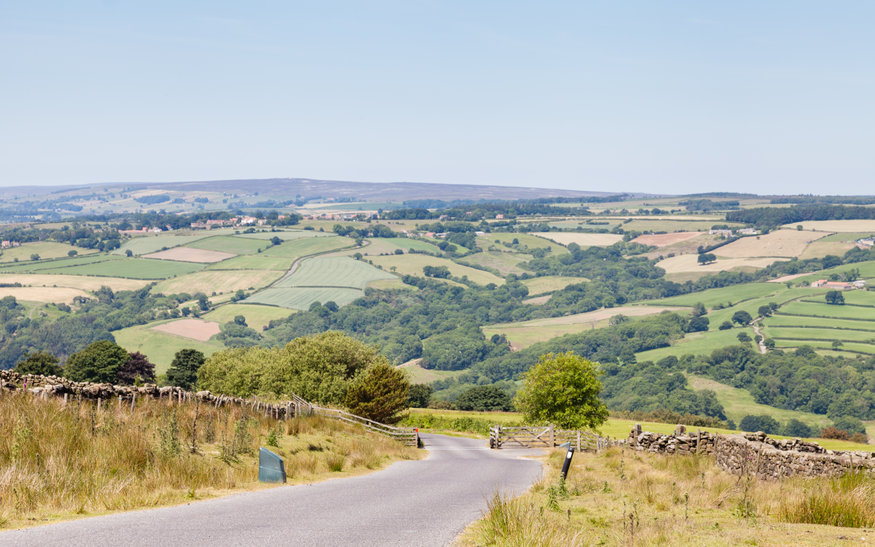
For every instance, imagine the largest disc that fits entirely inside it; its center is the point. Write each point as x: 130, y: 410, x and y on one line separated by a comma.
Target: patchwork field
x: 45, y: 249
x: 550, y: 283
x: 300, y: 298
x: 663, y: 240
x: 524, y: 334
x: 866, y: 269
x: 812, y: 322
x: 135, y: 268
x: 160, y: 347
x: 286, y: 235
x: 697, y: 343
x: 333, y: 271
x: 409, y: 243
x: 309, y: 246
x: 783, y: 243
x: 412, y: 264
x: 837, y: 225
x: 502, y: 262
x: 218, y: 281
x: 195, y: 329
x: 142, y: 245
x: 190, y: 254
x: 231, y: 244
x: 254, y: 262
x: 257, y: 317
x: 55, y: 264
x: 498, y: 239
x: 581, y: 238
x: 711, y: 297
x: 43, y: 294
x: 81, y: 282
x: 687, y: 264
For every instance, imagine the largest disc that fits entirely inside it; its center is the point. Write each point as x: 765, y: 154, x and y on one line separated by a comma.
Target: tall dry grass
x: 59, y: 460
x: 623, y: 497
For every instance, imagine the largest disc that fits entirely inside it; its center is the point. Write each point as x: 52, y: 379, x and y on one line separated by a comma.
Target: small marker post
x: 567, y: 463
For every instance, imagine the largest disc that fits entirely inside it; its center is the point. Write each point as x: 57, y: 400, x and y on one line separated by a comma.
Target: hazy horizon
x: 673, y: 98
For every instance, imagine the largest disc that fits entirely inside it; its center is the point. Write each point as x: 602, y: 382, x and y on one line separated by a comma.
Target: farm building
x: 720, y: 232
x: 9, y: 244
x: 866, y: 243
x: 748, y: 232
x: 838, y: 285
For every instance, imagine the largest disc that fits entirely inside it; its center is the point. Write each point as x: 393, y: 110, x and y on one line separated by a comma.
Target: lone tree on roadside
x: 379, y: 394
x: 183, y: 369
x: 39, y: 362
x: 562, y: 389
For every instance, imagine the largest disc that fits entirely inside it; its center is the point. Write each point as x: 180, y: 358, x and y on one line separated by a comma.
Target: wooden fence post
x: 578, y: 440
x: 552, y: 440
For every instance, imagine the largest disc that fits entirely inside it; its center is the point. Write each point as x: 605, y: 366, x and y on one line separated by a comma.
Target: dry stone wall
x: 756, y: 454
x: 55, y: 386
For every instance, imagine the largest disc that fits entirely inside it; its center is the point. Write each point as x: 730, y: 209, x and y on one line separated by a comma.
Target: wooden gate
x: 544, y: 437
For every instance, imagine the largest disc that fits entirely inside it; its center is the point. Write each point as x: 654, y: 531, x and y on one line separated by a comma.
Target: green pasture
x: 857, y: 297
x: 135, y: 268
x: 502, y: 262
x: 55, y: 265
x: 722, y: 295
x: 300, y: 298
x: 160, y: 347
x: 811, y: 333
x: 751, y: 306
x: 827, y: 310
x: 254, y: 262
x: 657, y: 224
x: 256, y: 316
x: 333, y: 271
x: 419, y: 375
x: 779, y: 320
x: 308, y: 246
x: 413, y: 264
x: 696, y: 343
x: 867, y: 271
x: 231, y: 244
x: 550, y: 283
x: 45, y: 250
x: 143, y: 245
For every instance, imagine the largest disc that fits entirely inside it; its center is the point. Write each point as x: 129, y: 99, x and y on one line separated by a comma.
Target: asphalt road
x: 425, y: 502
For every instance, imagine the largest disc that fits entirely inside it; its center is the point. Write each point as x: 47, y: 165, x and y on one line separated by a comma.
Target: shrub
x: 380, y: 394
x: 484, y: 398
x: 759, y: 423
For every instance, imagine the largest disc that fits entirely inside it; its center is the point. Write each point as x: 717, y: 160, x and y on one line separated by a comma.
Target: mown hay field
x: 190, y: 254
x: 550, y: 283
x: 254, y: 262
x: 45, y: 249
x: 309, y: 246
x: 300, y: 298
x: 146, y: 244
x: 333, y: 271
x: 663, y: 240
x: 218, y: 281
x: 688, y: 264
x: 257, y: 317
x: 55, y: 264
x: 503, y: 262
x: 524, y: 334
x: 862, y: 225
x: 783, y: 243
x: 581, y: 238
x: 498, y: 239
x: 195, y: 329
x: 82, y: 282
x: 134, y: 268
x: 43, y: 294
x: 412, y: 264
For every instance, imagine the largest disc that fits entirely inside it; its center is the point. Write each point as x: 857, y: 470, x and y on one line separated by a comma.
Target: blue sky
x: 668, y: 97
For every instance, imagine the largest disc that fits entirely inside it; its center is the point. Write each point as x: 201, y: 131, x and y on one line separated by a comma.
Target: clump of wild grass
x: 846, y: 501
x: 517, y: 522
x: 61, y: 459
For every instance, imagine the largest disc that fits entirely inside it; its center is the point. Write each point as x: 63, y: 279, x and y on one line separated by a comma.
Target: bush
x: 39, y: 362
x: 795, y: 428
x: 762, y: 422
x: 484, y: 398
x: 419, y: 395
x: 380, y: 394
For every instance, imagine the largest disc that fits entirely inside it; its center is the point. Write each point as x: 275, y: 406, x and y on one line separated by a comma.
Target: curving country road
x: 425, y: 502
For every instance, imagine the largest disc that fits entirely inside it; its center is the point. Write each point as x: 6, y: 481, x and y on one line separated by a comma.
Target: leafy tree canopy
x: 379, y: 394
x: 39, y: 362
x: 99, y: 362
x: 183, y: 370
x: 562, y: 389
